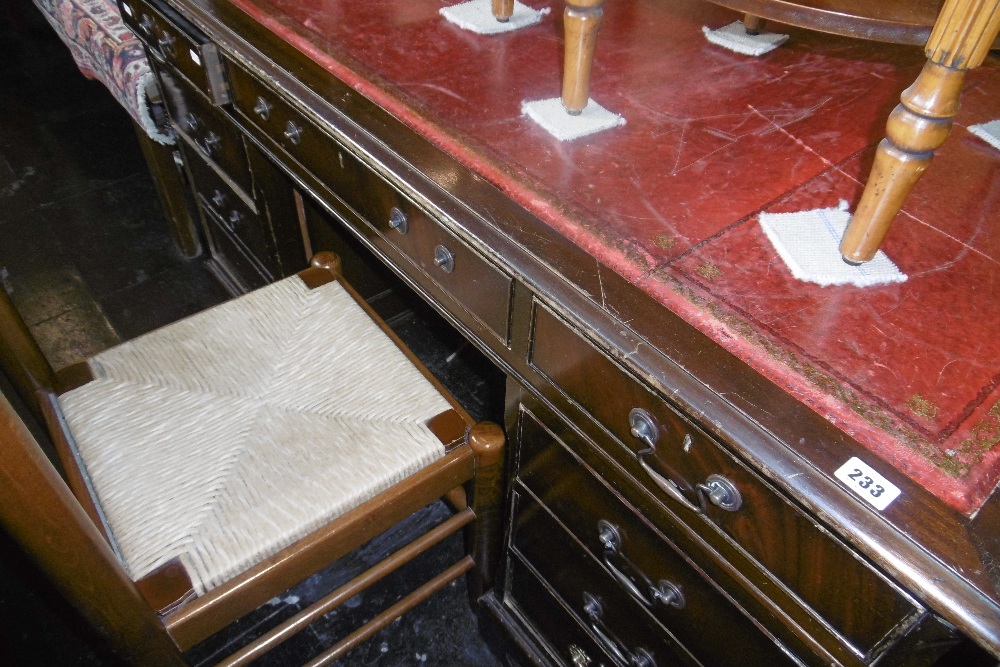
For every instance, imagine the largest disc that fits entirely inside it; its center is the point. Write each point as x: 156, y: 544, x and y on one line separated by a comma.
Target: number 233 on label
x: 864, y: 481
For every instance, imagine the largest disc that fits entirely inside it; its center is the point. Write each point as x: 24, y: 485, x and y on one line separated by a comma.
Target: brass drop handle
x: 166, y: 43
x: 578, y: 656
x: 147, y: 24
x: 595, y: 611
x: 398, y: 220
x: 721, y: 492
x: 211, y: 143
x: 235, y: 218
x: 218, y: 199
x: 644, y: 428
x: 666, y: 592
x: 263, y: 108
x: 191, y: 122
x: 717, y: 489
x: 444, y: 258
x: 668, y: 486
x: 293, y: 133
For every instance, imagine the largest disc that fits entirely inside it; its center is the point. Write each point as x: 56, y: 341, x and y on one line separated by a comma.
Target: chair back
x: 20, y: 357
x: 40, y: 512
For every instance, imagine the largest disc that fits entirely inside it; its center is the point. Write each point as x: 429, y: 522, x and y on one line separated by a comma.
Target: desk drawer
x: 563, y: 634
x: 242, y: 221
x: 479, y: 287
x: 596, y: 603
x: 205, y: 128
x: 662, y: 582
x: 172, y: 39
x: 681, y: 466
x: 241, y: 271
x: 342, y: 173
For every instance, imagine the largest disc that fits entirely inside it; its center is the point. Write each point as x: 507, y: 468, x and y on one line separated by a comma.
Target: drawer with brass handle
x: 205, y: 129
x: 240, y: 271
x: 644, y: 564
x: 172, y: 39
x: 240, y: 219
x: 478, y: 286
x: 565, y: 636
x: 693, y: 477
x: 618, y: 626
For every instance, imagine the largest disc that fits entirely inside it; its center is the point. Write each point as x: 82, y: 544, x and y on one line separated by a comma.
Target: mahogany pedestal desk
x: 678, y: 406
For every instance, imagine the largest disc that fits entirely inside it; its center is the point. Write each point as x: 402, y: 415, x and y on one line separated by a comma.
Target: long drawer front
x: 678, y: 472
x: 476, y: 285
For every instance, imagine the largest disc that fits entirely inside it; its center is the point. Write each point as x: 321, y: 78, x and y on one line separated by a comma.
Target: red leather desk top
x: 670, y: 200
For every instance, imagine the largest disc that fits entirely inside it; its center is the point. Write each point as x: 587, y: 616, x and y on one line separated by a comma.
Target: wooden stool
x: 214, y: 463
x: 503, y: 10
x: 960, y: 36
x: 581, y: 20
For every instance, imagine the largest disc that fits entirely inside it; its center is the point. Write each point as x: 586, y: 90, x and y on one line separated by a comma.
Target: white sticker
x: 128, y: 10
x: 864, y: 481
x: 194, y: 57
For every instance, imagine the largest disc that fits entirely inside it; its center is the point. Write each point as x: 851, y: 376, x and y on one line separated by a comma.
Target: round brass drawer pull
x: 263, y: 108
x: 722, y: 493
x: 444, y: 258
x: 293, y: 133
x: 398, y: 220
x: 166, y: 44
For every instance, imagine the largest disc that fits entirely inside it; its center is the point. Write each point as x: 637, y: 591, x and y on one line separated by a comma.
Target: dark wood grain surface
x: 932, y: 551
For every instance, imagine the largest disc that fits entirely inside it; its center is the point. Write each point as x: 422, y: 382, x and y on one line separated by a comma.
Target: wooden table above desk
x: 644, y: 241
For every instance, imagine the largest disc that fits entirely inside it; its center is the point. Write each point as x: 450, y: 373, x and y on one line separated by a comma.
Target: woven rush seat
x: 217, y: 462
x: 192, y: 435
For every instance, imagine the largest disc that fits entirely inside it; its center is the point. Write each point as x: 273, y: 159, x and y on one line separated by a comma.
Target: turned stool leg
x: 754, y: 25
x: 488, y: 442
x: 503, y: 9
x: 581, y: 19
x: 960, y: 40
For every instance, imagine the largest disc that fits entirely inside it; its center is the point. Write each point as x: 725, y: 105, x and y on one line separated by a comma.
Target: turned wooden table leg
x: 754, y: 25
x: 960, y: 40
x: 581, y: 20
x: 503, y: 9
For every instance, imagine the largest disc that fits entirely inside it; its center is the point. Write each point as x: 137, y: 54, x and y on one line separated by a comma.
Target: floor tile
x: 121, y: 221
x: 48, y: 291
x: 74, y: 335
x: 162, y: 298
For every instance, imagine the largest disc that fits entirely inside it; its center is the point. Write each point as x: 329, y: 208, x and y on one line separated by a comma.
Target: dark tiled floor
x: 88, y: 260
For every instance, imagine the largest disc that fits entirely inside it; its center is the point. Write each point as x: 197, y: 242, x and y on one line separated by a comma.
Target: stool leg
x: 581, y: 19
x: 488, y: 442
x: 503, y: 9
x: 754, y: 25
x: 960, y: 40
